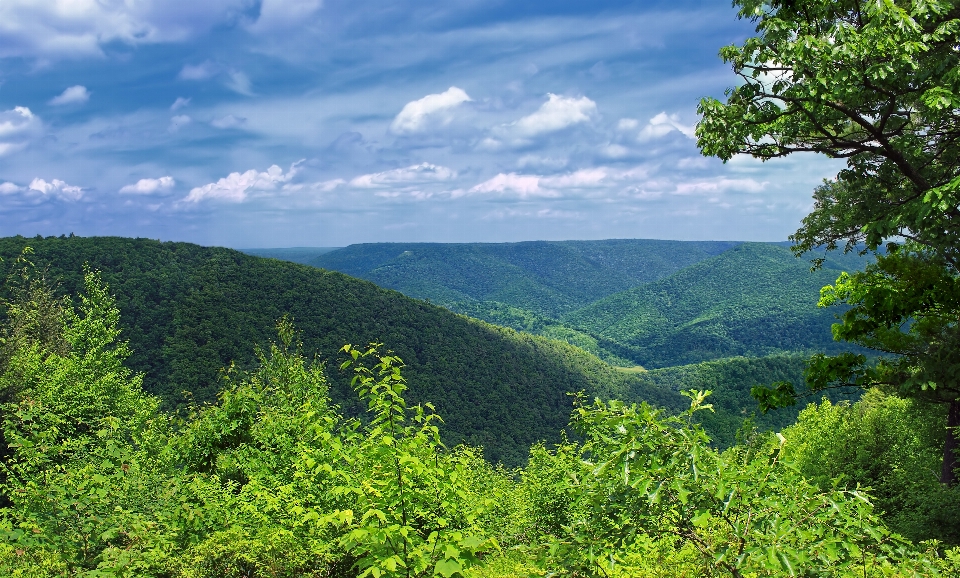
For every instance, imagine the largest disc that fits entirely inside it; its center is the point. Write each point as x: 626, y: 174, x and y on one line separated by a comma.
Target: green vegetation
x: 273, y: 481
x: 755, y: 299
x: 191, y: 311
x: 544, y: 278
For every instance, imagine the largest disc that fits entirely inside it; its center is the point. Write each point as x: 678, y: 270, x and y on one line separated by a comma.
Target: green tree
x: 877, y: 84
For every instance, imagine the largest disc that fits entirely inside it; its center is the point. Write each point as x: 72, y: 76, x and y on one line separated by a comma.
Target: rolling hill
x: 546, y: 278
x: 755, y: 299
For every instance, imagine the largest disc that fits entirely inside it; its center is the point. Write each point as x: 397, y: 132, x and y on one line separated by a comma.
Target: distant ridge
x: 755, y: 299
x: 548, y: 278
x: 302, y: 255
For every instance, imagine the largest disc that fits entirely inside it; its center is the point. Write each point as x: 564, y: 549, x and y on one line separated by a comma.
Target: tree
x: 876, y: 83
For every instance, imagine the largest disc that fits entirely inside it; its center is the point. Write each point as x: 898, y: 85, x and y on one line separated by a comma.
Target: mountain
x: 754, y: 299
x: 189, y: 311
x: 302, y: 255
x: 545, y: 278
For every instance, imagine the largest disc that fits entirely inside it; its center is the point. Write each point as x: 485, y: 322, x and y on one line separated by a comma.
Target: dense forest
x: 274, y: 480
x: 190, y: 311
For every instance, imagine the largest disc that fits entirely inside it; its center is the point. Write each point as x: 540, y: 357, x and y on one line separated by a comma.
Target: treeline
x: 274, y: 481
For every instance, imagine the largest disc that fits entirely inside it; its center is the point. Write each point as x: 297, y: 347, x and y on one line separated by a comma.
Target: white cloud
x: 584, y: 178
x: 149, y: 186
x: 78, y: 28
x: 201, y: 71
x: 719, y: 185
x: 239, y: 83
x: 415, y: 114
x: 523, y: 186
x: 9, y: 188
x: 17, y: 126
x: 662, y: 125
x: 228, y: 121
x: 557, y: 113
x: 178, y: 122
x: 628, y: 124
x: 179, y: 103
x: 74, y: 95
x: 424, y: 172
x: 235, y: 186
x: 56, y: 188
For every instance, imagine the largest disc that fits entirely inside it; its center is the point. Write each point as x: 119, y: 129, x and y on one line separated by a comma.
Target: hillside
x: 547, y: 278
x: 755, y: 299
x: 189, y: 311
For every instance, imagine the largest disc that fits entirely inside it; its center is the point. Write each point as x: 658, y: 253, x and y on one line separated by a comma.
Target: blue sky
x: 271, y: 123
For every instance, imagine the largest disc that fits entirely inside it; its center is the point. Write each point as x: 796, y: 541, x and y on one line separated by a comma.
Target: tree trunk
x: 948, y: 474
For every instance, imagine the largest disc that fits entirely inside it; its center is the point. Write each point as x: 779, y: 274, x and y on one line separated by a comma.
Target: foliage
x: 273, y: 481
x: 885, y: 443
x: 875, y: 83
x: 642, y: 481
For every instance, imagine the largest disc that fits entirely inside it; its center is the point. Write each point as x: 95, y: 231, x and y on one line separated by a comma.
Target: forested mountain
x: 189, y: 311
x: 755, y: 299
x: 548, y: 278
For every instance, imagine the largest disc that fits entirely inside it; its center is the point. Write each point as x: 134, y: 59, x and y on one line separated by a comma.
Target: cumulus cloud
x: 149, y: 186
x: 662, y: 125
x: 9, y: 188
x: 584, y: 178
x: 17, y: 126
x: 424, y: 172
x: 416, y: 114
x: 235, y: 186
x: 557, y: 113
x: 179, y: 103
x: 522, y: 185
x: 80, y: 27
x: 56, y: 188
x: 74, y: 95
x: 627, y: 124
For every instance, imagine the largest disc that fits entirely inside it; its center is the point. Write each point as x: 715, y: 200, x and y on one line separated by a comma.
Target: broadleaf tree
x: 876, y: 83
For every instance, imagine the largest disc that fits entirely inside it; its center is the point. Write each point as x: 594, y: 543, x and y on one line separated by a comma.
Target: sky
x: 279, y: 123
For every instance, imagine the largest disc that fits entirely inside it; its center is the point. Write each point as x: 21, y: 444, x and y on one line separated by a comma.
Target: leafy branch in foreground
x: 644, y: 480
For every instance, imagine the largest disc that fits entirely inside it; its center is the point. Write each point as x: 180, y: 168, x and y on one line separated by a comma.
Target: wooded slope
x: 189, y: 311
x: 755, y: 299
x: 547, y: 278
